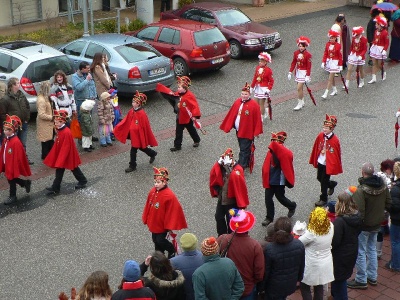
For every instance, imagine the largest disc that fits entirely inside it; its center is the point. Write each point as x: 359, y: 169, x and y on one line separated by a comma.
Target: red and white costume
x: 262, y: 79
x: 333, y: 57
x: 380, y: 43
x: 358, y: 48
x: 302, y: 62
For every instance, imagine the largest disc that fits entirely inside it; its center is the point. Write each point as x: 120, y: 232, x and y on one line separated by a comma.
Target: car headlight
x: 277, y: 36
x: 252, y: 42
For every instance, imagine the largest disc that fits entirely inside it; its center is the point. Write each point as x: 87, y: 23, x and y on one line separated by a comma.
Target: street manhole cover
x: 360, y: 116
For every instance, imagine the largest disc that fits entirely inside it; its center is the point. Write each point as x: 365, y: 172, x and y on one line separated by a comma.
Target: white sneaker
x: 384, y: 76
x: 361, y: 83
x: 373, y: 80
x: 299, y: 105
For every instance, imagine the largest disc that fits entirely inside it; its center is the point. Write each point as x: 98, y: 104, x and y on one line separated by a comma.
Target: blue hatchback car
x: 137, y: 64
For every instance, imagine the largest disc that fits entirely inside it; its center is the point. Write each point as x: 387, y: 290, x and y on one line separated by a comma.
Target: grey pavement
x: 50, y: 244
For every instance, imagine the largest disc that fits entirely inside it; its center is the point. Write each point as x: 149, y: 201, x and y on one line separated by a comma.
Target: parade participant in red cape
x: 301, y: 63
x: 64, y: 155
x: 227, y: 183
x: 163, y: 212
x: 188, y: 112
x: 332, y: 61
x: 245, y: 117
x: 262, y: 82
x: 14, y: 162
x: 378, y: 50
x: 327, y: 158
x: 278, y: 172
x: 358, y: 49
x: 136, y: 125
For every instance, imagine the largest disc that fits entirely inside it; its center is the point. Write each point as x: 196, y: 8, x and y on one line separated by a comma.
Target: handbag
x: 75, y: 129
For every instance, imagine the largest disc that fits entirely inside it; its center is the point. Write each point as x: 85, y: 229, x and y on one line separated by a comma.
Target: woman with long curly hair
x: 317, y: 241
x: 62, y: 94
x: 100, y: 75
x: 96, y: 287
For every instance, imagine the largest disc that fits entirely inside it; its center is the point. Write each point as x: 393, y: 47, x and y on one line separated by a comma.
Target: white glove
x: 397, y: 114
x: 221, y: 161
x: 289, y: 76
x: 267, y: 91
x: 323, y: 65
x: 383, y: 52
x: 251, y: 90
x: 227, y: 160
x: 359, y: 57
x: 308, y: 79
x: 340, y: 68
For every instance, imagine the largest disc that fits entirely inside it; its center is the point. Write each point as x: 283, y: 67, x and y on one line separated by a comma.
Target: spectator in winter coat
x: 394, y: 263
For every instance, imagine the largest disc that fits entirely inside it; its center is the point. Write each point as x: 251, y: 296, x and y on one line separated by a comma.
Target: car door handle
x: 172, y: 48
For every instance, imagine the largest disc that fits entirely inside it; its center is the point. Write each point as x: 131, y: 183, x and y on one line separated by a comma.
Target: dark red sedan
x: 193, y: 46
x: 243, y: 35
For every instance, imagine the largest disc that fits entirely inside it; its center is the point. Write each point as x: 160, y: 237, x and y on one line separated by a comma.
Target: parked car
x: 243, y: 35
x: 31, y: 63
x: 137, y: 64
x: 193, y: 46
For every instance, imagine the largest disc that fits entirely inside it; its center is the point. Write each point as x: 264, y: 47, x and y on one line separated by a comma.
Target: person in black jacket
x: 284, y: 262
x: 394, y: 263
x: 371, y: 29
x: 347, y: 227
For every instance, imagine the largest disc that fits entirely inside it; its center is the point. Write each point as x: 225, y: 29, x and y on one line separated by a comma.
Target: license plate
x: 157, y: 71
x: 217, y: 61
x: 270, y: 46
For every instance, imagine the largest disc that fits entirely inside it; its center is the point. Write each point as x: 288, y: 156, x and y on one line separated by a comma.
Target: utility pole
x: 85, y: 18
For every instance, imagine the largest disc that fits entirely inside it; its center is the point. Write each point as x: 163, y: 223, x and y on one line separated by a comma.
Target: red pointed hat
x: 12, y: 122
x: 246, y: 88
x: 61, y: 115
x: 161, y: 173
x: 333, y: 33
x: 242, y: 221
x: 303, y: 40
x: 184, y: 81
x: 381, y: 21
x: 330, y: 121
x: 228, y: 152
x: 140, y: 98
x: 357, y: 30
x: 279, y: 136
x: 265, y: 56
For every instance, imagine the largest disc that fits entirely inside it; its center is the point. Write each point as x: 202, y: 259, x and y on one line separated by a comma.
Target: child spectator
x: 87, y: 124
x: 117, y: 110
x: 14, y: 162
x: 262, y: 82
x: 105, y: 111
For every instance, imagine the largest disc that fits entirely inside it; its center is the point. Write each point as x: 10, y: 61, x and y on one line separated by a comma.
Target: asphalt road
x: 48, y: 244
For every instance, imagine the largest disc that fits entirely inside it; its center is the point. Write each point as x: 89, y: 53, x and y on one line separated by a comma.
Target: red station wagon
x: 193, y: 46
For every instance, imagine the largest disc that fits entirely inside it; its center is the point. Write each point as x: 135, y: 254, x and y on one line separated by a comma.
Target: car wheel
x: 236, y: 49
x: 180, y: 67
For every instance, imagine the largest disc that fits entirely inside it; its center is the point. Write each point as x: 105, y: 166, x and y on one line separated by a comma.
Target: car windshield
x: 208, y: 37
x: 44, y: 69
x: 132, y: 53
x: 232, y: 17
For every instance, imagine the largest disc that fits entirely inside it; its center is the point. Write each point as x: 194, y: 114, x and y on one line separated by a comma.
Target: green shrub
x: 136, y: 25
x: 183, y: 2
x: 108, y: 25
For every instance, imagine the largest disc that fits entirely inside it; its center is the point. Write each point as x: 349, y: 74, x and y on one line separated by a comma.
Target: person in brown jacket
x: 44, y: 119
x: 105, y: 112
x: 100, y: 75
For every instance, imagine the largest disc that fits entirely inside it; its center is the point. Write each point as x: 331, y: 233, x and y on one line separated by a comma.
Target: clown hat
x: 381, y: 21
x: 140, y: 98
x: 303, y: 40
x: 228, y: 152
x: 246, y: 88
x: 161, y: 173
x: 61, y: 115
x: 333, y: 33
x: 12, y: 122
x: 184, y: 81
x: 330, y: 121
x: 241, y: 221
x: 265, y: 56
x: 113, y: 92
x: 279, y: 136
x: 357, y: 31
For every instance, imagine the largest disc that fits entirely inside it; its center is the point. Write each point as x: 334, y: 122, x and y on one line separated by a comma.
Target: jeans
x: 367, y: 251
x: 23, y: 134
x: 339, y: 290
x: 251, y: 296
x: 395, y: 241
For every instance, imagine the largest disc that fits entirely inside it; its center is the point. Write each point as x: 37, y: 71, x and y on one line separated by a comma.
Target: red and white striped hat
x: 381, y: 21
x: 303, y: 40
x: 265, y: 56
x: 357, y: 30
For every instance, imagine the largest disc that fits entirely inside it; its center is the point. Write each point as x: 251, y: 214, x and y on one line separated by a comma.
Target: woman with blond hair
x: 44, y: 119
x: 96, y: 287
x: 317, y: 242
x: 345, y: 242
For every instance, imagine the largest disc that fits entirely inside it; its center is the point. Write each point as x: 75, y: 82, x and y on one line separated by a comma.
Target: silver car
x: 138, y: 65
x: 31, y: 63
